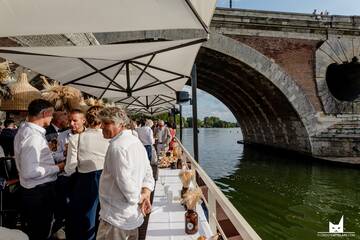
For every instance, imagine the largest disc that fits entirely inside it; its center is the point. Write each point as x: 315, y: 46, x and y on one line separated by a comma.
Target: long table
x: 167, y: 219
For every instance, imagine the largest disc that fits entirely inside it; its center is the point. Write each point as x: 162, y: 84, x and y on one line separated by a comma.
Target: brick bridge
x: 270, y: 69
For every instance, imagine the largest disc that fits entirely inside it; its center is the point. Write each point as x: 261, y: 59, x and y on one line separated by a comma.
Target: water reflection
x: 282, y: 197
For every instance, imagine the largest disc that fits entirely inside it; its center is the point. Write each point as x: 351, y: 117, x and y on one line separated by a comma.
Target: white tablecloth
x: 167, y: 220
x: 12, y: 234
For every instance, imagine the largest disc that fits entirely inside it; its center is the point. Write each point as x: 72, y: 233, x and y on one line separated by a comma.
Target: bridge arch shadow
x: 269, y: 106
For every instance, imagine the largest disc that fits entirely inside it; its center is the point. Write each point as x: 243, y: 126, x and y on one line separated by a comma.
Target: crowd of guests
x: 85, y: 175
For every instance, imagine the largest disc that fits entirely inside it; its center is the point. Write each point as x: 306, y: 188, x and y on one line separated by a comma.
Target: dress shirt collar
x: 56, y: 128
x: 123, y: 132
x: 36, y: 127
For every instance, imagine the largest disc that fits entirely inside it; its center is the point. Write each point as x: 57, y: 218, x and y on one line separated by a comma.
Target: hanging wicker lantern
x: 22, y: 94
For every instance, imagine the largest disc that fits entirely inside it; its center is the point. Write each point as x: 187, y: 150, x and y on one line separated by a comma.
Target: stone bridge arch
x: 270, y: 107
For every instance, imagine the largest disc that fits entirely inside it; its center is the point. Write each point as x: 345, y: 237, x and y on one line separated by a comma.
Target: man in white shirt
x: 37, y: 170
x: 126, y: 181
x: 163, y: 136
x: 77, y: 125
x: 146, y: 136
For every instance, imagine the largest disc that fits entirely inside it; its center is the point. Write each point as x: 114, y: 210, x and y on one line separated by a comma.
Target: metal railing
x: 216, y: 202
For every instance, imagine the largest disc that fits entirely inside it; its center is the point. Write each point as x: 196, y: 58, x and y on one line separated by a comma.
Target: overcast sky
x: 209, y: 105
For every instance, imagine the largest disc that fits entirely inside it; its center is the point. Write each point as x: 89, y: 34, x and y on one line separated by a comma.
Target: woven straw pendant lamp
x: 23, y: 93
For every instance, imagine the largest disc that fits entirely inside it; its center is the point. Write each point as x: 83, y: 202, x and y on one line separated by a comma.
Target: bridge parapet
x: 283, y: 24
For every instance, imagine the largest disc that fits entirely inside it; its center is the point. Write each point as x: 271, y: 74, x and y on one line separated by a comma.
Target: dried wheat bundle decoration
x: 62, y: 97
x: 192, y: 197
x: 4, y: 71
x: 94, y: 102
x: 5, y: 92
x: 185, y: 177
x: 177, y: 152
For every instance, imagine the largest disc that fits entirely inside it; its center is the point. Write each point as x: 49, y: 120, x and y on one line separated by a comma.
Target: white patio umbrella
x: 113, y: 71
x: 148, y: 105
x: 38, y: 17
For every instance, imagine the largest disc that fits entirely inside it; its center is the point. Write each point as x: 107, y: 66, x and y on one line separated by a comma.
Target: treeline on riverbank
x: 207, y: 122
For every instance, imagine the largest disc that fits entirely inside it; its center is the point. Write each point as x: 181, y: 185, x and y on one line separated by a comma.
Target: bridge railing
x: 224, y: 218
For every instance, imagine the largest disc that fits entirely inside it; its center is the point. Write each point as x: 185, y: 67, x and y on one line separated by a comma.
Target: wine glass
x: 162, y: 181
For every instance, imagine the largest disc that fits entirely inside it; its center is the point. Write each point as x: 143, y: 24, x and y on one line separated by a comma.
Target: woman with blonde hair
x: 86, y: 153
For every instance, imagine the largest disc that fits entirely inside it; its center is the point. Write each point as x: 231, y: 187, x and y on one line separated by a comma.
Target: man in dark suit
x: 58, y: 124
x: 7, y: 137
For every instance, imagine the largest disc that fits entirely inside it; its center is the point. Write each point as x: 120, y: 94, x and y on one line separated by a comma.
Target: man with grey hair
x: 162, y: 136
x: 126, y: 181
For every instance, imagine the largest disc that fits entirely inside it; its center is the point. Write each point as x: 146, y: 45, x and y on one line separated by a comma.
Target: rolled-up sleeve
x: 32, y: 153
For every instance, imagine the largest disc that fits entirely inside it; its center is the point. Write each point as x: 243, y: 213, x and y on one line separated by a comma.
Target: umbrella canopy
x: 24, y: 17
x: 113, y: 71
x: 148, y: 105
x: 118, y: 71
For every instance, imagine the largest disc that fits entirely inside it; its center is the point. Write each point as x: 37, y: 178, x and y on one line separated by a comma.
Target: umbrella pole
x: 181, y: 127
x: 194, y: 112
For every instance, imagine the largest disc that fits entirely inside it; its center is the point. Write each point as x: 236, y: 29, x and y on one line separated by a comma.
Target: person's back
x: 145, y: 135
x: 37, y: 170
x: 7, y: 137
x: 30, y: 176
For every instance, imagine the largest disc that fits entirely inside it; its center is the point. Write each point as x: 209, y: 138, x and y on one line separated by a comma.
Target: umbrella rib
x: 168, y: 101
x: 90, y: 74
x: 159, y: 82
x: 196, y: 41
x: 159, y: 100
x: 142, y: 72
x: 153, y: 84
x: 120, y: 101
x: 167, y: 96
x: 132, y: 102
x: 165, y: 101
x: 112, y: 81
x: 100, y: 72
x: 99, y: 87
x: 197, y: 16
x: 140, y: 102
x: 137, y: 111
x: 158, y: 68
x: 157, y: 96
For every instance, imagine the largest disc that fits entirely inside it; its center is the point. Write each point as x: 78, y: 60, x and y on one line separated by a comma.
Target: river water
x: 281, y: 196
